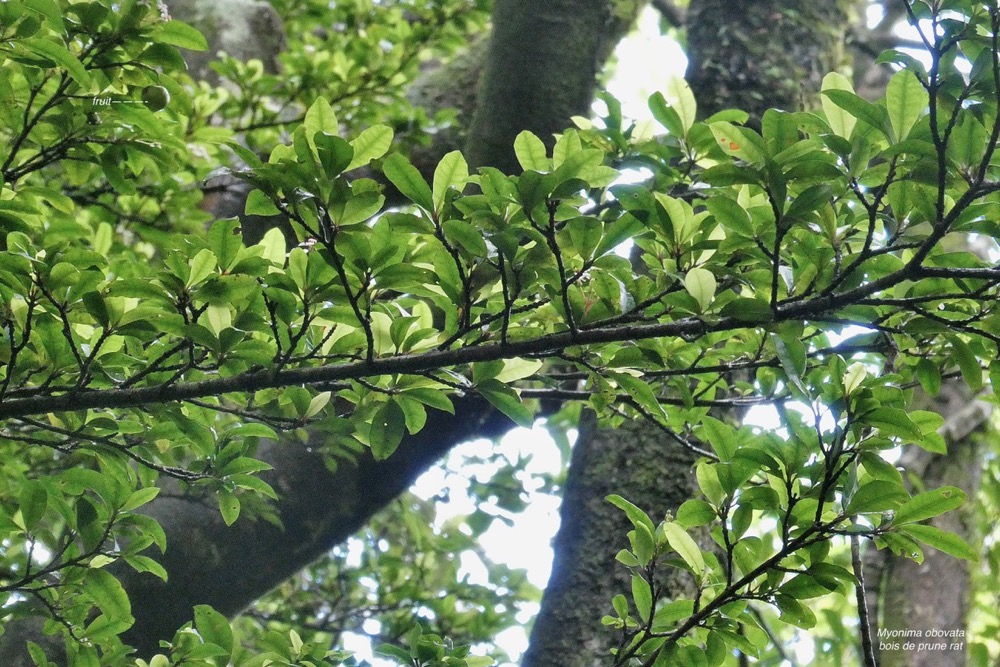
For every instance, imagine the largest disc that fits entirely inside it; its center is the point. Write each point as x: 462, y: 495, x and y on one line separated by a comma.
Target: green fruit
x: 155, y: 97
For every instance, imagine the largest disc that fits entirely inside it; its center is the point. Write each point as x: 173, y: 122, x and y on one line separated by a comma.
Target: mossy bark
x: 755, y: 55
x: 541, y: 70
x: 243, y: 29
x: 654, y: 473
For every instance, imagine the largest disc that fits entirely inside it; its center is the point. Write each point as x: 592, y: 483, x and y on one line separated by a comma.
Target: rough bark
x: 753, y: 55
x: 243, y: 29
x: 653, y: 471
x: 935, y: 595
x: 541, y: 69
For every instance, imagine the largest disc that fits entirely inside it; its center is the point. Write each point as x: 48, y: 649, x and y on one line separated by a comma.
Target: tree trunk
x: 541, y: 70
x: 735, y: 60
x: 919, y: 600
x: 652, y: 470
x: 755, y: 55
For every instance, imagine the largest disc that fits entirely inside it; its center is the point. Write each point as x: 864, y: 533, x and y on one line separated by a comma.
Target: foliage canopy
x: 807, y: 264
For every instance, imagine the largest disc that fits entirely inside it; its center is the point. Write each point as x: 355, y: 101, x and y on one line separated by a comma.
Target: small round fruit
x: 155, y: 97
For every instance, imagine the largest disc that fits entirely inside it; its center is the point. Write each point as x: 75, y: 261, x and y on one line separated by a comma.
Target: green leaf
x: 855, y: 375
x: 260, y: 204
x: 141, y: 563
x: 634, y: 514
x: 748, y: 310
x: 811, y: 199
x: 668, y: 614
x: 273, y: 246
x: 518, y: 368
x: 408, y: 181
x: 905, y: 100
x: 334, y: 154
x: 685, y: 546
x: 225, y: 240
x: 139, y: 498
x: 642, y: 392
x: 679, y: 96
x: 506, y: 401
x: 794, y: 612
x: 949, y: 543
x: 731, y: 215
x: 213, y: 627
x: 666, y: 115
x: 620, y: 605
x: 320, y: 118
x: 643, y: 544
x: 49, y: 9
x: 700, y: 283
x: 387, y: 429
x: 105, y: 591
x: 626, y: 558
x: 59, y: 55
x: 739, y: 142
x: 968, y: 363
x: 861, y: 109
x: 390, y: 651
x: 479, y: 661
x: 893, y: 422
x: 721, y: 436
x: 792, y: 356
x: 318, y: 402
x: 695, y: 512
x: 229, y: 506
x: 929, y: 504
x: 642, y: 596
x: 929, y: 375
x: 840, y: 120
x: 530, y: 152
x: 202, y: 266
x: 708, y: 482
x: 370, y: 145
x: 877, y: 496
x: 451, y: 172
x: 182, y: 35
x: 33, y: 502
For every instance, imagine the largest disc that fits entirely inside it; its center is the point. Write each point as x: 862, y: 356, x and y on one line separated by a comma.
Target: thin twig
x: 867, y: 648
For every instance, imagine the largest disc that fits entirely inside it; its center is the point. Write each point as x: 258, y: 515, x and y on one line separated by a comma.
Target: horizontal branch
x: 407, y: 363
x: 418, y: 363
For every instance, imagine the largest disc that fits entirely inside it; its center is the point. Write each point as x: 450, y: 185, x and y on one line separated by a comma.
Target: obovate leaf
x: 700, y: 283
x: 530, y: 152
x: 905, y: 100
x: 451, y: 172
x: 876, y: 496
x: 370, y: 145
x: 182, y: 35
x: 408, y: 181
x: 387, y: 428
x: 840, y: 120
